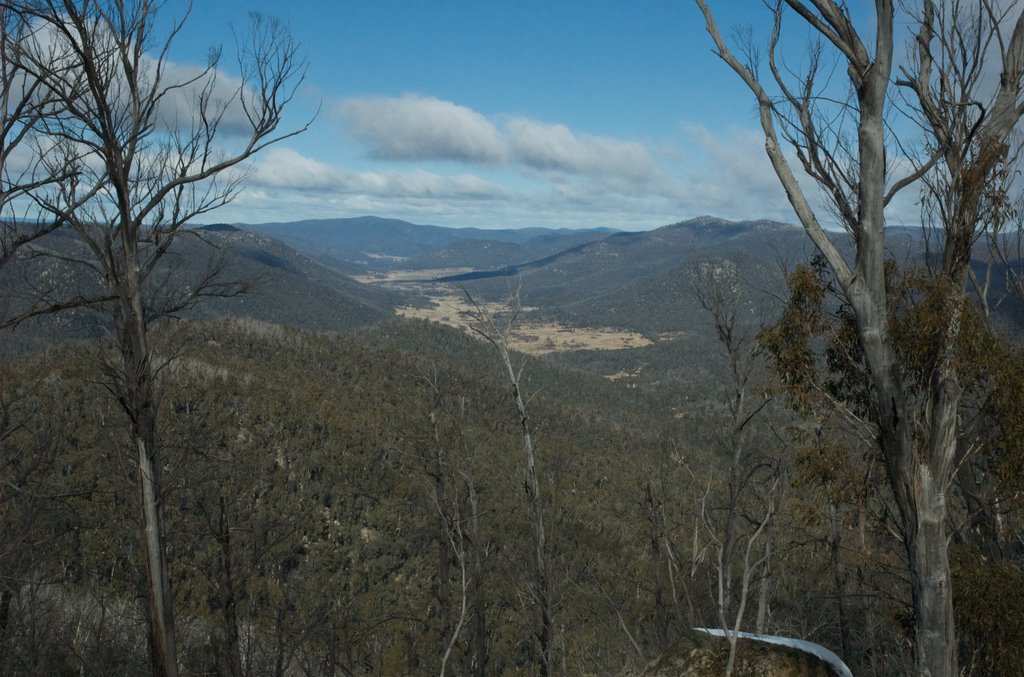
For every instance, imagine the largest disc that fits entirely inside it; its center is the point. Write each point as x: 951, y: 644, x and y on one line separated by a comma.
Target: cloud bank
x: 415, y: 128
x: 556, y: 147
x: 284, y: 168
x: 433, y: 161
x: 418, y: 128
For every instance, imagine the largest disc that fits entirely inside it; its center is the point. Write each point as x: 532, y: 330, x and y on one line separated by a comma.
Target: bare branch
x: 766, y: 110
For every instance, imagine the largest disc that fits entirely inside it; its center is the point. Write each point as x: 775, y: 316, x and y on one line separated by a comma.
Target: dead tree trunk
x: 442, y: 588
x: 135, y: 385
x: 478, y: 658
x: 839, y: 579
x: 231, y: 646
x: 657, y: 539
x: 484, y: 324
x: 761, y: 619
x: 542, y: 579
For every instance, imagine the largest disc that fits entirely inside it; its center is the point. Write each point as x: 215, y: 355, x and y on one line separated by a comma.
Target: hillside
x: 481, y: 253
x: 318, y: 452
x: 292, y: 288
x: 623, y: 259
x: 284, y: 286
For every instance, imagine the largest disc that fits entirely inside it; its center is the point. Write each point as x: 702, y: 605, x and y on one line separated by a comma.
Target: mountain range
x: 341, y: 274
x: 378, y: 244
x: 597, y: 277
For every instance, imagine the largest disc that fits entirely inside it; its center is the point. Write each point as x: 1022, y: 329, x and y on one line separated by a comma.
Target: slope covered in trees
x: 332, y: 501
x: 301, y: 472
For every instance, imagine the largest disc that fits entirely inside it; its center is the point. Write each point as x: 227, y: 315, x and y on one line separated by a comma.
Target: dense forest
x: 354, y: 503
x: 222, y: 455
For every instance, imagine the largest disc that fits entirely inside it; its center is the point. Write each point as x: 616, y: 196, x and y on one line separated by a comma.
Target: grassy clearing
x: 536, y: 338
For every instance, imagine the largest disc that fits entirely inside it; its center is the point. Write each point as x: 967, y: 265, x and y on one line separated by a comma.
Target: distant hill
x: 288, y: 287
x: 293, y: 288
x: 623, y: 259
x: 306, y: 272
x: 387, y: 244
x: 482, y: 253
x: 666, y: 302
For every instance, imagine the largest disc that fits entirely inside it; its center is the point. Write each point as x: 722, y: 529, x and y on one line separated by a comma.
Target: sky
x: 495, y: 114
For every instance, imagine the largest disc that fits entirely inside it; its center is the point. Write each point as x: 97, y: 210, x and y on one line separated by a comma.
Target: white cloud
x: 419, y: 183
x: 729, y: 175
x: 739, y: 154
x: 281, y: 167
x: 550, y: 175
x: 570, y: 208
x: 180, y: 108
x: 545, y: 146
x: 284, y: 168
x: 420, y: 128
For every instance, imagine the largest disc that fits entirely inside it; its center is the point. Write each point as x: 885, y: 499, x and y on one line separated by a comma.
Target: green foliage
x: 1005, y: 407
x: 815, y: 350
x: 989, y: 613
x: 789, y: 341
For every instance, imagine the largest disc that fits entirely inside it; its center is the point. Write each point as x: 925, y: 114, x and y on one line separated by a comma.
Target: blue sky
x: 503, y: 114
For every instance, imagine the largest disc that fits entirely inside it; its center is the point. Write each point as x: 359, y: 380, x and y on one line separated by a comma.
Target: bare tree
x: 720, y: 291
x: 23, y: 106
x: 449, y: 467
x: 151, y: 151
x: 497, y: 331
x: 844, y: 149
x: 718, y: 288
x: 750, y: 565
x: 24, y: 147
x: 457, y: 541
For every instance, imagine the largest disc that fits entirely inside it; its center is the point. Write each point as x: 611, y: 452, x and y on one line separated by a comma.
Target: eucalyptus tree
x: 843, y: 141
x: 150, y: 145
x: 497, y: 330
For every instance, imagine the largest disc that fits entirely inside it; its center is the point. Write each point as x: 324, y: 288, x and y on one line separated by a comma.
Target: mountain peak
x: 707, y: 220
x: 219, y: 228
